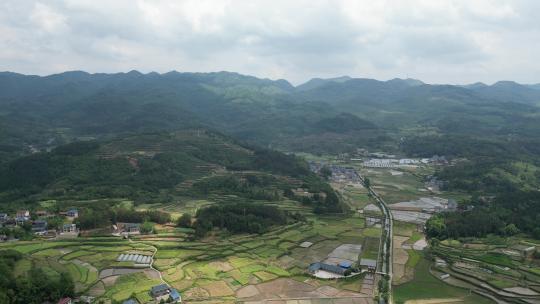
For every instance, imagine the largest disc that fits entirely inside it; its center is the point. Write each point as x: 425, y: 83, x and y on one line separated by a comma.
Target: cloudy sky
x: 435, y: 41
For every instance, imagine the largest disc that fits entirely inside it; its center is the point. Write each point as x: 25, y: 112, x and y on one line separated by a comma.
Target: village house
x: 127, y: 229
x: 69, y: 228
x: 130, y: 301
x: 3, y: 217
x: 39, y: 227
x: 74, y: 213
x: 165, y: 293
x: 22, y: 216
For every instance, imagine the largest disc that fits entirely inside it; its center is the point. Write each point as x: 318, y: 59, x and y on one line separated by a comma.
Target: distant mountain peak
x: 317, y: 82
x: 506, y: 83
x: 134, y: 72
x: 476, y: 85
x: 408, y: 81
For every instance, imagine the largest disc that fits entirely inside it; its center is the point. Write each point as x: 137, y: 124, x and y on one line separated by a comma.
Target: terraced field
x: 213, y: 269
x: 228, y: 264
x: 84, y: 259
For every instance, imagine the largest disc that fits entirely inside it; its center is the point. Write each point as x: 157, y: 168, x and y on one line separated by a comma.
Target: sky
x: 440, y: 41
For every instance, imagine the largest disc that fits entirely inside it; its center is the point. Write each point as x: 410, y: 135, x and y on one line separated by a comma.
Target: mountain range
x: 321, y: 115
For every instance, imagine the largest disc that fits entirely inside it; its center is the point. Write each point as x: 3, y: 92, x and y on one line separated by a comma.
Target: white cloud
x: 437, y: 41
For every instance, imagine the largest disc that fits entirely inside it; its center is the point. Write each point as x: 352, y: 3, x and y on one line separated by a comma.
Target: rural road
x: 388, y: 226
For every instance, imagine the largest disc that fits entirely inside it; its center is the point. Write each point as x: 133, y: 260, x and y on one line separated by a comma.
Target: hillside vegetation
x: 151, y: 166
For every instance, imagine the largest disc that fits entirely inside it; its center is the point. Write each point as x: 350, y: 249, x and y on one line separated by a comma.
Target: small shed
x: 370, y: 264
x: 345, y: 264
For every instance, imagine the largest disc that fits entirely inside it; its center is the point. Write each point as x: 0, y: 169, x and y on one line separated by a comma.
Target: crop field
x: 395, y: 188
x: 217, y: 270
x: 491, y: 264
x: 200, y: 270
x: 84, y: 259
x: 212, y: 269
x: 356, y: 196
x: 425, y: 286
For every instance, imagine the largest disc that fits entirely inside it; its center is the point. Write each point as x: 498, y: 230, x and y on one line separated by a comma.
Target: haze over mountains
x: 42, y: 112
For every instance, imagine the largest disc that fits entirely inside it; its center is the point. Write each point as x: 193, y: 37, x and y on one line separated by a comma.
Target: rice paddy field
x: 212, y: 269
x: 84, y: 259
x: 218, y: 270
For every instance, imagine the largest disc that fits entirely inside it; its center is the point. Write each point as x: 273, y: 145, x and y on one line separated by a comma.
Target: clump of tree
x: 33, y: 287
x: 147, y: 227
x: 241, y: 218
x: 133, y: 216
x: 325, y: 172
x: 326, y: 201
x: 506, y: 215
x: 184, y: 221
x: 103, y: 215
x: 280, y: 163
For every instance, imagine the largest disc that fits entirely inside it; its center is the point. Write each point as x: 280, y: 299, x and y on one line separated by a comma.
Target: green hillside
x: 144, y: 167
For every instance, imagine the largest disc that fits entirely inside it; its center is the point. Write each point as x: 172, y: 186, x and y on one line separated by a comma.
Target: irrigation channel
x: 384, y: 267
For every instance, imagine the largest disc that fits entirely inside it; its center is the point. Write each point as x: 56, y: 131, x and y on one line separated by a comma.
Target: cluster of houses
x: 38, y: 221
x: 339, y: 173
x: 403, y: 162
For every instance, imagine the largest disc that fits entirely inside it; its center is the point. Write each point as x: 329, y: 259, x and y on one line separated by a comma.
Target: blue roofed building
x: 175, y: 296
x: 314, y: 267
x: 130, y: 301
x: 73, y: 213
x: 345, y: 264
x: 39, y: 227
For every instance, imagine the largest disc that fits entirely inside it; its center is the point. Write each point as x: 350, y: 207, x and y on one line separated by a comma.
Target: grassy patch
x: 372, y: 232
x: 240, y: 277
x: 370, y: 248
x: 137, y: 283
x: 76, y: 254
x: 277, y: 271
x: 496, y: 258
x: 501, y: 284
x: 22, y: 267
x: 414, y: 258
x: 451, y: 243
x: 238, y: 262
x: 265, y: 276
x: 252, y: 268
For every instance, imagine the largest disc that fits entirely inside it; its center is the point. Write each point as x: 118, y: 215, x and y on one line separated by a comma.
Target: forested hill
x: 43, y: 112
x: 322, y: 115
x: 140, y: 167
